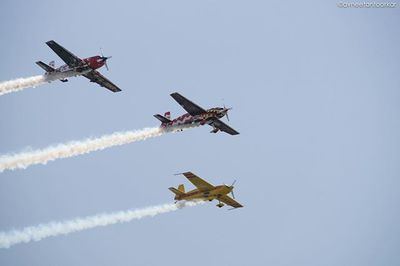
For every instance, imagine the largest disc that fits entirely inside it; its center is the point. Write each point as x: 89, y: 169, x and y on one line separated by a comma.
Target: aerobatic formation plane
x: 76, y: 66
x: 197, y: 115
x: 205, y: 191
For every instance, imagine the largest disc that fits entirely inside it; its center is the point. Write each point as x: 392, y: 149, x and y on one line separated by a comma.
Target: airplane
x: 196, y: 116
x: 205, y: 191
x: 76, y: 66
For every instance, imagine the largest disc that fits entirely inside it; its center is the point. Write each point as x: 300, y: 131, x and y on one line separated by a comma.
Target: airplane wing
x: 189, y: 106
x: 224, y: 127
x: 229, y: 201
x: 95, y: 76
x: 68, y: 57
x: 198, y: 182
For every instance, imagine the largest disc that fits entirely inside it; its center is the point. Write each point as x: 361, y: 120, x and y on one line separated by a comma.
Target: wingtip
x: 183, y: 173
x: 234, y: 208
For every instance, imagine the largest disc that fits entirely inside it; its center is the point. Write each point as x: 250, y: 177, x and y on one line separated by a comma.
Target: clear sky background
x: 315, y: 95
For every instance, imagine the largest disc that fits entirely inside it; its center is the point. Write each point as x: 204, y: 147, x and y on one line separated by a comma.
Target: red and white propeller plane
x: 76, y: 66
x: 196, y: 116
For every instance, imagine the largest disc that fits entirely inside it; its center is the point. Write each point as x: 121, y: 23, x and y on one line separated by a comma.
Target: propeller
x: 226, y: 111
x: 232, y: 186
x: 105, y: 62
x: 105, y: 58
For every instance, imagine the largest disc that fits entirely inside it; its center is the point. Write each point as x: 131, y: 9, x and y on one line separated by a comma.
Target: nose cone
x: 105, y: 58
x: 229, y: 188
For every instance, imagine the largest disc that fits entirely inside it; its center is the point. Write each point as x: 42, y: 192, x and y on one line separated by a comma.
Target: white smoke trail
x: 23, y: 83
x: 74, y: 148
x: 39, y: 232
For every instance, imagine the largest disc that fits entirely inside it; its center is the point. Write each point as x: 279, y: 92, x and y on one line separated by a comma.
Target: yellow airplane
x: 205, y: 191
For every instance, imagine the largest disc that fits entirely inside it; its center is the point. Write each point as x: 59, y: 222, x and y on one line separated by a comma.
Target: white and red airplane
x: 76, y: 66
x: 196, y: 116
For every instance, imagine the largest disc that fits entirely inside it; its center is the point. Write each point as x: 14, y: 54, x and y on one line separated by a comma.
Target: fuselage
x: 88, y: 64
x: 215, y: 193
x: 202, y: 119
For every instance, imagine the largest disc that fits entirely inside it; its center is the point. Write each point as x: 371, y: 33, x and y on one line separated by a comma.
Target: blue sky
x: 315, y: 95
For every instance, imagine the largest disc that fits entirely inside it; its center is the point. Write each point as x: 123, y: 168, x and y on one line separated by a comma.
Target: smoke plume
x: 39, y: 232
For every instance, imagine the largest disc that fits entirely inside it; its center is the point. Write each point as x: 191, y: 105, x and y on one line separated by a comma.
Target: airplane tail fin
x: 178, y: 192
x: 46, y: 67
x: 165, y: 118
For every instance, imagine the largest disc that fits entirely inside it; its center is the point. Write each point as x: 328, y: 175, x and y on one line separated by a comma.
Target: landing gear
x: 215, y: 130
x: 220, y: 205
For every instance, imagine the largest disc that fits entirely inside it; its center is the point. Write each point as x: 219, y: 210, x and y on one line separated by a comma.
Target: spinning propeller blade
x: 232, y: 186
x: 226, y: 111
x: 105, y: 58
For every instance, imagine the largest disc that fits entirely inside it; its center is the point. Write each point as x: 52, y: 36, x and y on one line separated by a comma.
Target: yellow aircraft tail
x: 181, y: 188
x: 178, y: 192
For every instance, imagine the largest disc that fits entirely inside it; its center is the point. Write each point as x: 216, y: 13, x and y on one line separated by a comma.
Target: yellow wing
x: 198, y: 182
x: 229, y: 201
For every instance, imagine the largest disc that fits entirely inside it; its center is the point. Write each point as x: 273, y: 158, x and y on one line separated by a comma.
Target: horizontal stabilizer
x: 46, y: 67
x: 162, y: 118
